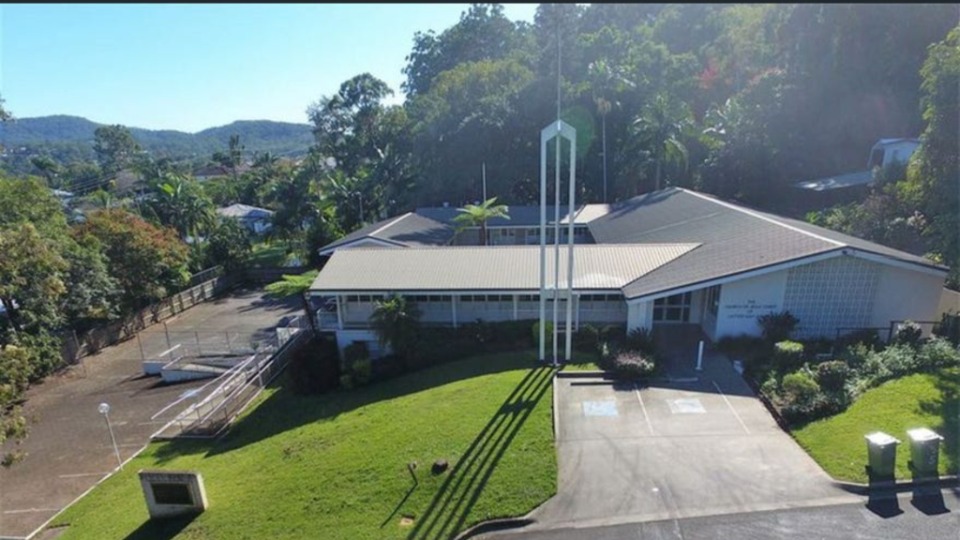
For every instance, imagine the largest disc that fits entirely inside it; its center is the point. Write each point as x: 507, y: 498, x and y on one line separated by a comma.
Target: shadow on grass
x: 284, y: 410
x: 161, y: 528
x: 447, y: 513
x: 947, y: 408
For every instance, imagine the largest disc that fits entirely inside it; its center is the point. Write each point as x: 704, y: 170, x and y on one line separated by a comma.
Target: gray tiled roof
x: 405, y: 230
x: 520, y: 216
x: 734, y: 239
x: 515, y: 268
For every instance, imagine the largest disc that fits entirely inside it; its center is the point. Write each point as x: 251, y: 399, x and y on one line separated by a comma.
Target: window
x: 713, y: 300
x: 674, y: 308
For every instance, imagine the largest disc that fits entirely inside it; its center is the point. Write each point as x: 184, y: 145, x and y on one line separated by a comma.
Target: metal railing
x: 207, y: 411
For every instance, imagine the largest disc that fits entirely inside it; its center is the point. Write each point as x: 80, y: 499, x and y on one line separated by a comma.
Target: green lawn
x: 837, y: 443
x: 275, y: 253
x: 335, y: 466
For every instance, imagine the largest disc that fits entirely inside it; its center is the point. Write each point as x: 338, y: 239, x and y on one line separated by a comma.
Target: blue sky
x: 189, y: 67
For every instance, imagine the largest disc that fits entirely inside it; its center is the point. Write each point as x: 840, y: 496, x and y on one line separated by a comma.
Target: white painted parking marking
x: 78, y: 475
x: 643, y: 408
x: 28, y: 510
x: 734, y: 411
x: 607, y: 407
x: 686, y: 406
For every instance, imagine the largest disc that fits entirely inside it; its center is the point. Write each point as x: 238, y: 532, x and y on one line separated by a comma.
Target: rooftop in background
x: 243, y: 211
x: 859, y: 178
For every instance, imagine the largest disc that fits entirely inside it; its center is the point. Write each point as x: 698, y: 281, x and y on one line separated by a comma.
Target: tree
x: 476, y: 215
x: 228, y: 245
x: 92, y: 293
x: 233, y: 158
x: 180, y: 203
x: 397, y: 323
x: 346, y: 124
x: 49, y: 169
x: 660, y: 129
x: 115, y: 148
x: 5, y: 115
x: 31, y: 281
x: 482, y: 33
x: 933, y: 172
x: 148, y: 262
x: 293, y: 284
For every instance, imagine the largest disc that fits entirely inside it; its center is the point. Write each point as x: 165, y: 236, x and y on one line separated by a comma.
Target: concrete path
x: 69, y: 448
x: 675, y: 450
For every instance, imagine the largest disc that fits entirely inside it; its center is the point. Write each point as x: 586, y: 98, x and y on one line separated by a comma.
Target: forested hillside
x: 69, y: 139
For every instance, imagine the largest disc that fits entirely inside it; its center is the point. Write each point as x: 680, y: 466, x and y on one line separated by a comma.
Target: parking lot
x: 674, y: 450
x: 69, y: 449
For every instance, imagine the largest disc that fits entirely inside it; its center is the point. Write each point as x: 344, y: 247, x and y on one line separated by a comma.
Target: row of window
x: 367, y: 298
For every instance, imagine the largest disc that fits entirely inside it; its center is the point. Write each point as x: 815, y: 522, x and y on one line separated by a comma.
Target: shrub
x: 799, y: 389
x: 587, y: 339
x: 865, y: 336
x: 361, y: 371
x: 833, y: 376
x: 937, y: 353
x: 770, y: 387
x: 357, y: 366
x: 314, y: 367
x: 633, y: 365
x: 899, y: 360
x: 640, y: 340
x: 777, y: 326
x: 548, y: 335
x: 355, y: 351
x: 787, y: 356
x: 949, y: 328
x: 346, y: 381
x: 909, y: 333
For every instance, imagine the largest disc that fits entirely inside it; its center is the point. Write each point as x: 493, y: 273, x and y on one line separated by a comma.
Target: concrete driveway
x: 69, y: 448
x: 675, y: 450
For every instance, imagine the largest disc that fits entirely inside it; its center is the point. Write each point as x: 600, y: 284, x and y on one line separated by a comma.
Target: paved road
x: 675, y: 450
x: 927, y: 517
x: 69, y: 449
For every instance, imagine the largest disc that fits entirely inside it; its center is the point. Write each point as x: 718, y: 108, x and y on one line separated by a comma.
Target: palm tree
x: 660, y: 126
x: 294, y: 284
x: 396, y: 323
x: 476, y: 215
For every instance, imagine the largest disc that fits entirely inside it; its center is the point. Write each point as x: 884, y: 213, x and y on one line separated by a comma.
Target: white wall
x: 741, y: 302
x: 640, y: 315
x: 905, y: 294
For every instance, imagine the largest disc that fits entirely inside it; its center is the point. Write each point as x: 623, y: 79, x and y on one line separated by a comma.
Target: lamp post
x: 104, y: 409
x: 360, y: 199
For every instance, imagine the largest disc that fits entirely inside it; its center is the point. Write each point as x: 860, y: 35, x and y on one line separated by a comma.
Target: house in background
x: 207, y: 172
x: 670, y: 257
x: 849, y: 187
x: 257, y: 220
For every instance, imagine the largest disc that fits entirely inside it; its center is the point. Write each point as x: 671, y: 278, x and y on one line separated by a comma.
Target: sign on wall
x: 748, y: 309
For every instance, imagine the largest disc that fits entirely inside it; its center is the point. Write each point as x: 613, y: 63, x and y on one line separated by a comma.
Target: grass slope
x: 335, y: 466
x: 837, y: 443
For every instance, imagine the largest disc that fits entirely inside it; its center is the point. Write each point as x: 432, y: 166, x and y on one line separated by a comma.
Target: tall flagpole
x: 484, y: 173
x: 556, y: 218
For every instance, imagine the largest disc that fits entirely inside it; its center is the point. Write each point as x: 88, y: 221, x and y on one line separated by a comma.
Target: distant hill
x: 71, y: 137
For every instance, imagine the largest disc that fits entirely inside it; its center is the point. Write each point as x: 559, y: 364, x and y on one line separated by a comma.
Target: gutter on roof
x: 334, y: 247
